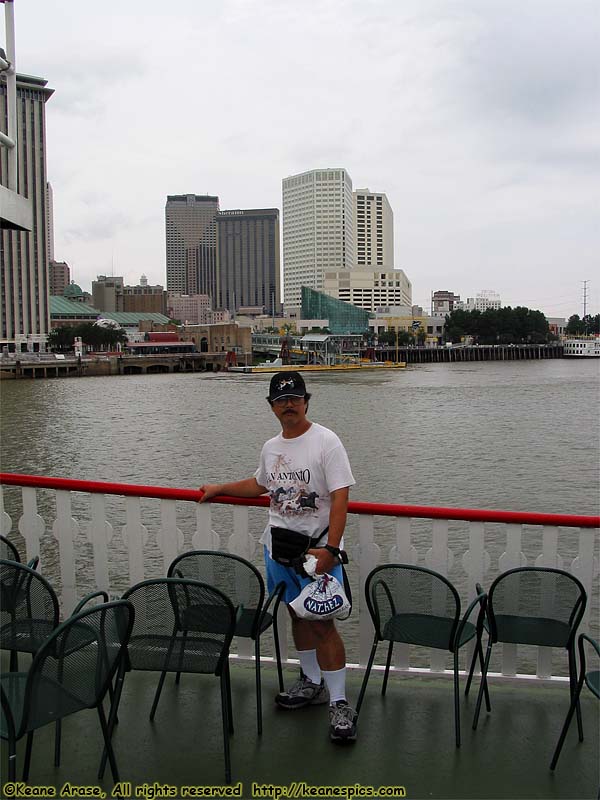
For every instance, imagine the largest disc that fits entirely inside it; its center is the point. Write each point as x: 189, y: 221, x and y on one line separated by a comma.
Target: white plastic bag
x: 322, y: 599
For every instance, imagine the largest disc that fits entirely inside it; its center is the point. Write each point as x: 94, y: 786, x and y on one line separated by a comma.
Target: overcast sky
x: 479, y: 119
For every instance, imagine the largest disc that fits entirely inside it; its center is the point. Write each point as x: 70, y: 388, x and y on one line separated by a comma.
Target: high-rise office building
x: 24, y: 290
x: 107, y: 293
x: 60, y: 277
x: 50, y: 222
x: 191, y: 230
x: 373, y: 229
x: 318, y: 229
x: 248, y: 259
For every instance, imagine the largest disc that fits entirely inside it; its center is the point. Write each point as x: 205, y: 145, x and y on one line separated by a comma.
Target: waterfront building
x: 24, y: 289
x: 59, y: 277
x: 191, y: 233
x: 248, y: 260
x: 318, y: 230
x: 219, y: 337
x: 410, y: 319
x: 342, y: 317
x: 69, y: 313
x: 144, y: 297
x: 487, y: 298
x: 557, y: 325
x: 444, y: 302
x: 107, y: 293
x: 373, y: 230
x: 368, y: 289
x: 193, y: 309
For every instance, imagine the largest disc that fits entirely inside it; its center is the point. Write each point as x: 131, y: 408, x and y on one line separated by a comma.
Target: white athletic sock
x: 336, y: 683
x: 310, y: 665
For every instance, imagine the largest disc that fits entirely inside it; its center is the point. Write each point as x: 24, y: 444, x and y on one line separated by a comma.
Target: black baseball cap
x: 286, y: 384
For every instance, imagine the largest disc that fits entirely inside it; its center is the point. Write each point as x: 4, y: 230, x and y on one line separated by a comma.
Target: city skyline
x: 482, y: 130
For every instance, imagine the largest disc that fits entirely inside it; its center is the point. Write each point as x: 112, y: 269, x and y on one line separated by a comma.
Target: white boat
x: 582, y: 348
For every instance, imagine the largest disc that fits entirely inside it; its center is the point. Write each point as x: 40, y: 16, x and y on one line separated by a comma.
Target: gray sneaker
x: 342, y: 722
x: 303, y: 693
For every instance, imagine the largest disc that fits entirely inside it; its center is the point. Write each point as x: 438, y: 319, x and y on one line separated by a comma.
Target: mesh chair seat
x: 213, y: 619
x: 532, y: 630
x: 160, y: 653
x: 592, y: 681
x: 425, y: 630
x: 25, y: 635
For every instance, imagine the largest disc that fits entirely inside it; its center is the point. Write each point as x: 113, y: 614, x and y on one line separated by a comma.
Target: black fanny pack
x: 289, y: 547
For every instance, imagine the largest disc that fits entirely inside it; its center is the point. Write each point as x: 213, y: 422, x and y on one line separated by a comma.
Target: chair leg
x: 483, y: 684
x: 57, y: 740
x: 229, y: 705
x: 258, y: 686
x: 472, y: 668
x: 567, y: 723
x: 112, y: 716
x: 12, y: 759
x: 456, y: 700
x: 278, y: 655
x: 387, y: 668
x: 157, y: 693
x: 108, y: 744
x: 27, y: 762
x: 14, y: 661
x: 363, y: 688
x: 573, y: 686
x: 226, y: 724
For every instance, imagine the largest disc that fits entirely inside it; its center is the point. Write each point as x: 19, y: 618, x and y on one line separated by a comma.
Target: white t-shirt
x: 300, y: 475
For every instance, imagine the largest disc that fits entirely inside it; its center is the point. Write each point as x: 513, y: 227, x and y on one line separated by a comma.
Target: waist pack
x: 289, y: 547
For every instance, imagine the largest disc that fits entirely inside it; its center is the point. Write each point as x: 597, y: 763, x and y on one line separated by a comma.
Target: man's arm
x: 337, y: 522
x: 249, y: 487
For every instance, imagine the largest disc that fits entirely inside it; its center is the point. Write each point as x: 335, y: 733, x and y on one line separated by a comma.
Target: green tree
x: 60, y: 340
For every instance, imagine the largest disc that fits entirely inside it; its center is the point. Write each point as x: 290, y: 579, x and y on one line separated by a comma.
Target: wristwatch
x: 335, y: 551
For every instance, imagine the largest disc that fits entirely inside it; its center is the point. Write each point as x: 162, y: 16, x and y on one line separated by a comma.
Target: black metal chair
x: 591, y: 680
x: 418, y: 606
x: 540, y: 606
x: 181, y: 626
x: 71, y: 671
x: 8, y: 551
x: 244, y: 585
x: 28, y: 610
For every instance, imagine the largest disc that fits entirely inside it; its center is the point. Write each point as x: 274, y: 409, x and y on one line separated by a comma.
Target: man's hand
x: 326, y: 561
x: 210, y: 490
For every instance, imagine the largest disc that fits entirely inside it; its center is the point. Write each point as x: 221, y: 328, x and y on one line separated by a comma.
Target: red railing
x: 374, y: 509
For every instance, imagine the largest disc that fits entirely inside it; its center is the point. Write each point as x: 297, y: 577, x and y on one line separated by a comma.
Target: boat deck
x: 405, y: 739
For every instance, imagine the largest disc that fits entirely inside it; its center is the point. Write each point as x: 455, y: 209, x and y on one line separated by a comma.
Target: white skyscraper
x: 318, y: 229
x: 373, y: 229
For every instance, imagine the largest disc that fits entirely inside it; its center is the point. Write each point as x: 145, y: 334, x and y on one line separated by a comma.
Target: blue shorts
x: 294, y: 583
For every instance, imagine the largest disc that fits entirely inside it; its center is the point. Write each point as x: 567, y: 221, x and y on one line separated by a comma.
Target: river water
x: 501, y: 435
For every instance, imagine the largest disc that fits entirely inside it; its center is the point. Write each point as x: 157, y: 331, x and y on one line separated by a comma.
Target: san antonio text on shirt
x: 299, y: 475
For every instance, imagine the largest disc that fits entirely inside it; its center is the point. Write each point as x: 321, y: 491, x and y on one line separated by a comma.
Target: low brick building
x: 219, y: 338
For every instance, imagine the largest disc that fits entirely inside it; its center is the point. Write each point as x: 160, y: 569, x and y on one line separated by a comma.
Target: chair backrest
x: 8, y: 551
x: 537, y: 606
x: 191, y: 610
x: 237, y: 578
x: 74, y: 667
x: 26, y: 595
x: 422, y: 596
x: 592, y: 678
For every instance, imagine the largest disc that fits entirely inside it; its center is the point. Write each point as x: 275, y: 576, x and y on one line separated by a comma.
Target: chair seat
x: 592, y: 680
x: 215, y: 620
x: 26, y: 635
x: 158, y: 653
x: 426, y: 630
x: 532, y: 630
x: 52, y: 700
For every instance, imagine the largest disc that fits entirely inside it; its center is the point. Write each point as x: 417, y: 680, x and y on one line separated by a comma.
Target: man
x: 306, y: 472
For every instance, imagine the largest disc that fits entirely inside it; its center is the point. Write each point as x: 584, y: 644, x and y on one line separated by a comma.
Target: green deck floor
x: 405, y: 739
